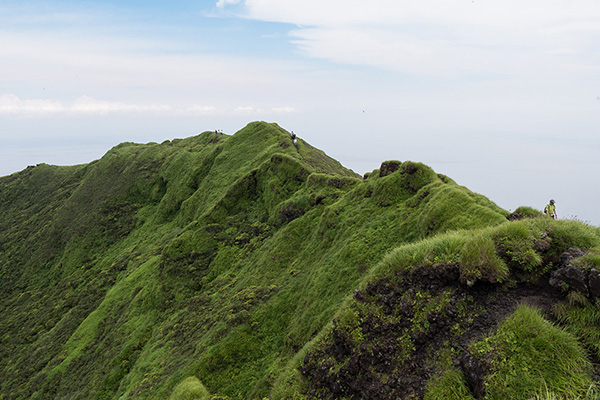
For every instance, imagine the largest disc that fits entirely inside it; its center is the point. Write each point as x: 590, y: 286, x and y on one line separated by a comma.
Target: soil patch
x: 405, y: 324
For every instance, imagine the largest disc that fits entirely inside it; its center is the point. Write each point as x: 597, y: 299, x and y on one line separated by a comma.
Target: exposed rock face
x: 290, y: 213
x: 515, y: 216
x: 409, y: 169
x: 586, y: 282
x: 594, y: 283
x: 389, y: 167
x: 542, y: 245
x: 571, y: 278
x: 569, y: 255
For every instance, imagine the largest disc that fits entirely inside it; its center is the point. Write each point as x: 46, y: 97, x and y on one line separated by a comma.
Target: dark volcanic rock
x: 515, y: 216
x: 570, y: 277
x: 594, y: 283
x: 290, y: 213
x: 389, y: 167
x: 569, y: 255
x: 573, y: 277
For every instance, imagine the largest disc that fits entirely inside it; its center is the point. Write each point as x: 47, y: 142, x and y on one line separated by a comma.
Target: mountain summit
x: 243, y: 267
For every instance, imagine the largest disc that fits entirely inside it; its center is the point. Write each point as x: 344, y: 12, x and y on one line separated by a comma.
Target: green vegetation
x: 450, y: 386
x: 236, y: 267
x: 528, y: 353
x: 418, y: 309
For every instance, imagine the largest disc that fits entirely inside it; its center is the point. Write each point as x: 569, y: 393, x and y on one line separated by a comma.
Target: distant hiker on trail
x: 550, y: 210
x: 294, y: 140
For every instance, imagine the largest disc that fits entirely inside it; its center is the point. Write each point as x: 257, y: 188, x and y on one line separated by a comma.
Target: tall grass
x: 530, y: 354
x: 582, y: 321
x: 479, y: 261
x: 451, y: 386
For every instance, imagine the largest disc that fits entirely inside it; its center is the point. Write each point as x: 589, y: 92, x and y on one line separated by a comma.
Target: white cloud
x: 223, y: 3
x: 202, y: 110
x: 11, y: 105
x: 89, y: 105
x: 127, y: 72
x: 372, y: 47
x: 438, y: 37
x: 514, y: 13
x: 282, y: 110
x: 249, y: 110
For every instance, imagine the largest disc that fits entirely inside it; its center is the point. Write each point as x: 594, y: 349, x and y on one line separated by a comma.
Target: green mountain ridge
x: 240, y: 267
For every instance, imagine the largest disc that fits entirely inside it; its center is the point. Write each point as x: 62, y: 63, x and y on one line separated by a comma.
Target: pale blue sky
x: 501, y: 96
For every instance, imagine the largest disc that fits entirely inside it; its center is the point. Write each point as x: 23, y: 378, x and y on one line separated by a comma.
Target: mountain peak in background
x: 244, y: 267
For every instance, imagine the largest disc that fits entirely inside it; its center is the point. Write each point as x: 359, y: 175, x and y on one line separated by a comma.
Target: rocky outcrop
x: 573, y: 278
x: 389, y: 167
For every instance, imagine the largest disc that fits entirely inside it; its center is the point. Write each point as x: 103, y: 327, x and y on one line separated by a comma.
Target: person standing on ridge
x: 550, y: 210
x: 294, y: 140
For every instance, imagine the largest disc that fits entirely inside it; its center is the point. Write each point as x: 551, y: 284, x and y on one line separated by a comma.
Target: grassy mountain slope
x: 464, y: 315
x: 214, y: 266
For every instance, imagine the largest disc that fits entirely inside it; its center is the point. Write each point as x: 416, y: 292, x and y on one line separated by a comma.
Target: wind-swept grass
x: 451, y: 386
x: 582, y: 320
x: 529, y: 354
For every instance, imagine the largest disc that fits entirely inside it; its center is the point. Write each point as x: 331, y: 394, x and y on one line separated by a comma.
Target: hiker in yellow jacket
x: 550, y: 210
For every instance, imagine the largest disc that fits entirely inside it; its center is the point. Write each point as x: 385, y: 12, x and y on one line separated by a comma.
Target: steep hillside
x: 213, y: 267
x: 506, y: 312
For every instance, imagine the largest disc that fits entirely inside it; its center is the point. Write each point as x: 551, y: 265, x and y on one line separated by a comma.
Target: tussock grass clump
x: 529, y: 212
x: 451, y: 386
x: 582, y: 320
x: 593, y: 393
x: 328, y: 180
x: 479, y: 254
x: 566, y: 234
x: 516, y: 243
x: 446, y: 207
x: 528, y: 354
x: 190, y: 389
x: 479, y: 261
x: 444, y: 249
